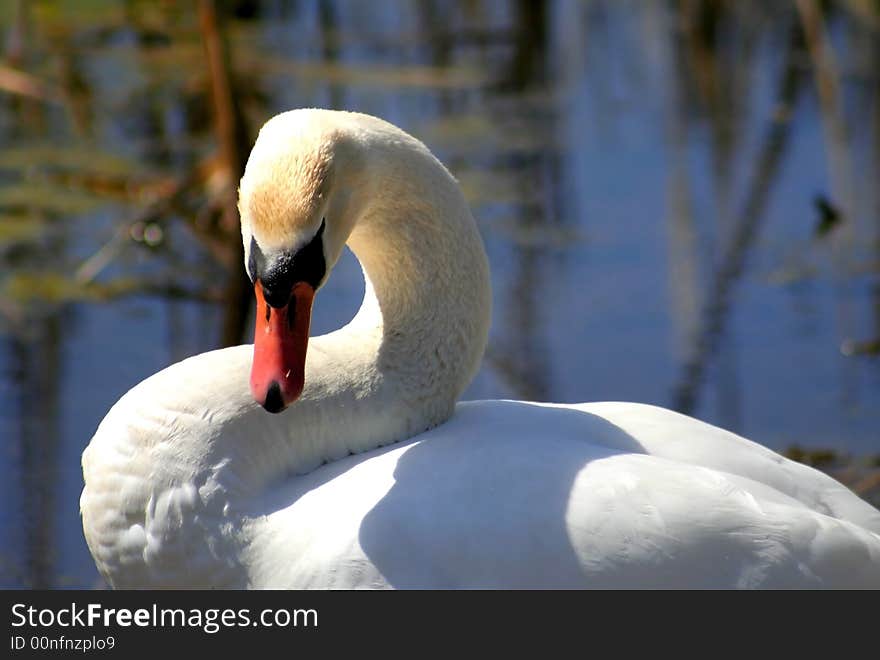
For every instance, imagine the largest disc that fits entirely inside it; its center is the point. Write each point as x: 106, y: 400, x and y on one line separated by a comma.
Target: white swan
x: 189, y: 482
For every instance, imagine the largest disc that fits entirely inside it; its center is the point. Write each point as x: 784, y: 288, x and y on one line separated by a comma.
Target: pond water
x: 672, y: 212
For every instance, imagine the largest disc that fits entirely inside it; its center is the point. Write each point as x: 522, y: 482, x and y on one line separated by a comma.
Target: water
x: 649, y: 183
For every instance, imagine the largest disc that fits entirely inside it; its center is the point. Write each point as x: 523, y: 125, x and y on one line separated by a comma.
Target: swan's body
x: 190, y: 483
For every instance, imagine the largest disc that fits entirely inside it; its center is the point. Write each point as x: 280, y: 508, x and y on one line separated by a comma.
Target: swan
x: 372, y: 475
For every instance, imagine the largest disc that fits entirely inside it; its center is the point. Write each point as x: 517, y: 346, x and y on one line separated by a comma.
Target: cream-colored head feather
x: 286, y: 182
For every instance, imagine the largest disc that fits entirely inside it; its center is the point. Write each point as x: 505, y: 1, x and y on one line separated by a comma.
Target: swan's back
x: 504, y: 494
x: 608, y: 495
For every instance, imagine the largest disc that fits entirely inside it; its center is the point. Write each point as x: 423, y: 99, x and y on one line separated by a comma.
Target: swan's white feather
x: 509, y: 494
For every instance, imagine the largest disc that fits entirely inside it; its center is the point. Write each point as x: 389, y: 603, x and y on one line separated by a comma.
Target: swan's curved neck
x: 426, y: 272
x: 400, y: 365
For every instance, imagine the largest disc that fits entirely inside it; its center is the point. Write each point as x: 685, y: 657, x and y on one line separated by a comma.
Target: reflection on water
x: 679, y: 205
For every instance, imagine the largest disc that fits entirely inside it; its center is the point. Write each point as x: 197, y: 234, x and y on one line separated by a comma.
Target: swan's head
x: 293, y: 232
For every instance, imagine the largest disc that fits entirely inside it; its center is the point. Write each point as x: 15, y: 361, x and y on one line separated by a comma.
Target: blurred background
x: 679, y: 199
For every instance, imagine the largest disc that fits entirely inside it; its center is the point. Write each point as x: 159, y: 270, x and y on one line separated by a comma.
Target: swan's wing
x: 153, y: 515
x: 643, y: 521
x: 680, y: 438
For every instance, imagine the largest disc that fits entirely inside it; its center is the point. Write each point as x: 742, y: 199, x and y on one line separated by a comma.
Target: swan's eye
x: 279, y: 272
x: 256, y: 261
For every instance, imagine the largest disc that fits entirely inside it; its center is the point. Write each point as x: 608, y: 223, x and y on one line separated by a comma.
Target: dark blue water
x: 649, y: 240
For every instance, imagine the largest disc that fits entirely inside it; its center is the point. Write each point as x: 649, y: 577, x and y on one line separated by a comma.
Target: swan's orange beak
x: 280, y: 342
